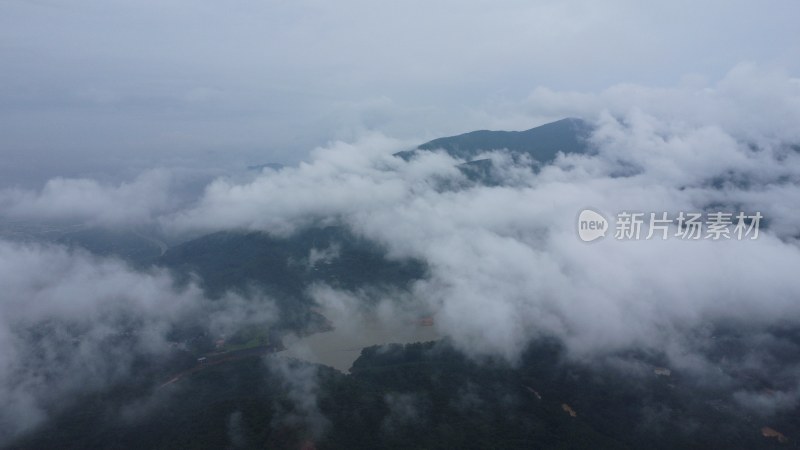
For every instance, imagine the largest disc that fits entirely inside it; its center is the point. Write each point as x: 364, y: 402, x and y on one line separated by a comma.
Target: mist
x: 170, y: 121
x: 72, y: 324
x: 95, y: 91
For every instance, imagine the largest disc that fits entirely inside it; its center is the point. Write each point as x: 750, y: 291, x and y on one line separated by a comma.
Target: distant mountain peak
x: 542, y: 143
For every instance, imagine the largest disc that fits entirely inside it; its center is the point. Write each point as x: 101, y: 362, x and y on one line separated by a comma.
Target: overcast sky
x: 102, y: 88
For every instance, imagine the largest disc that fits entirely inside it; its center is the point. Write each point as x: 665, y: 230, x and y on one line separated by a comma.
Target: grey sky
x: 97, y: 87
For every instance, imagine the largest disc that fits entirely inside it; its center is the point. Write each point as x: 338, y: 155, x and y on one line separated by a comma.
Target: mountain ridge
x: 542, y: 143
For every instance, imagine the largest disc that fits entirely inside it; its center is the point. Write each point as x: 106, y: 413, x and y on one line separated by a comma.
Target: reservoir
x: 340, y: 347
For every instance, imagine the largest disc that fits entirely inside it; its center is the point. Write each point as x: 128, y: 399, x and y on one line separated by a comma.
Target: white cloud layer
x: 505, y: 263
x: 81, y: 199
x: 71, y: 324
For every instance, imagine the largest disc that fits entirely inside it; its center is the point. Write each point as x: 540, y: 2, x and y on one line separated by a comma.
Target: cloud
x: 505, y: 263
x: 342, y: 179
x: 751, y: 103
x: 72, y: 323
x: 406, y: 410
x: 81, y: 199
x: 225, y: 85
x: 301, y: 384
x: 236, y: 434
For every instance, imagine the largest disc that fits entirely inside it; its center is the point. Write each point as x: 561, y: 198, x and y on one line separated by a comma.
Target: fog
x: 72, y: 323
x: 505, y: 263
x: 92, y: 89
x: 147, y: 116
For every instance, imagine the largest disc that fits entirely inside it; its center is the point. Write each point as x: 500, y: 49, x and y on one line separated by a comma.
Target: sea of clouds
x: 505, y: 263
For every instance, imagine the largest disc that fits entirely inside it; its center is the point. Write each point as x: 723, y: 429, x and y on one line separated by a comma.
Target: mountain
x: 541, y: 143
x: 423, y: 395
x: 284, y: 267
x: 132, y: 245
x: 230, y: 260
